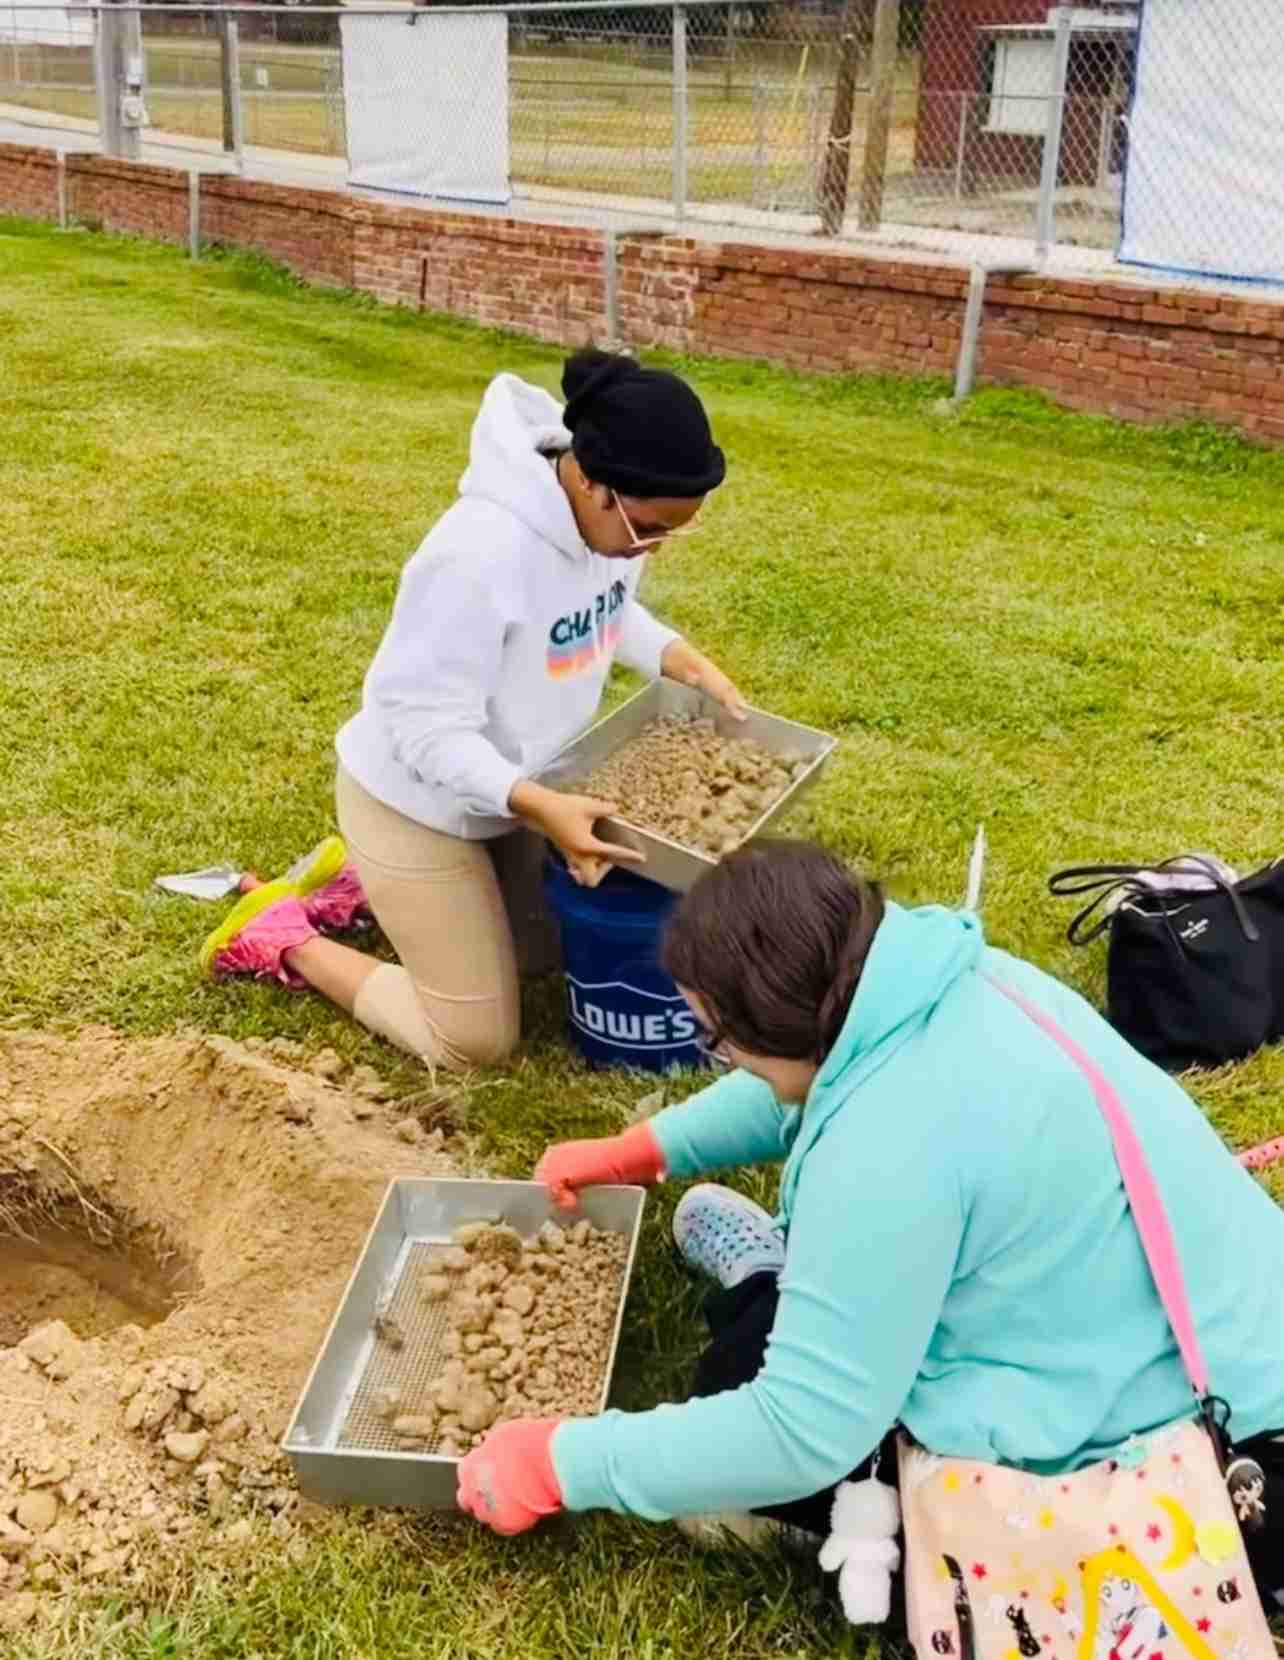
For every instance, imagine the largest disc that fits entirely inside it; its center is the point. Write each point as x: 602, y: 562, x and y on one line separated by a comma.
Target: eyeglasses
x: 649, y: 536
x: 712, y: 1044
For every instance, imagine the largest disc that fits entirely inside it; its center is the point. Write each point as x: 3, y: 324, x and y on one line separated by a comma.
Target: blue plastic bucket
x: 622, y: 1008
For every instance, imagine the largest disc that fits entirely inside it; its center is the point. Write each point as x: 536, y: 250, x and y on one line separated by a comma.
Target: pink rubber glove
x: 509, y: 1481
x: 633, y: 1158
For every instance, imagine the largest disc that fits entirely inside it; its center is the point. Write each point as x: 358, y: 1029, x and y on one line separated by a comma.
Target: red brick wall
x: 545, y: 280
x: 308, y: 230
x: 1138, y: 352
x: 28, y: 182
x: 128, y: 196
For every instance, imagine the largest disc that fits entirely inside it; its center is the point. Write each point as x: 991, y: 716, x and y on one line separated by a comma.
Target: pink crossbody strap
x: 1143, y: 1196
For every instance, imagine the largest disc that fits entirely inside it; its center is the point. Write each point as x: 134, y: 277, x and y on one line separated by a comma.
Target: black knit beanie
x: 640, y: 431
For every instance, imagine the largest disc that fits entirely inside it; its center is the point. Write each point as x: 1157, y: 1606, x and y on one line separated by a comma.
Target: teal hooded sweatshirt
x: 960, y: 1256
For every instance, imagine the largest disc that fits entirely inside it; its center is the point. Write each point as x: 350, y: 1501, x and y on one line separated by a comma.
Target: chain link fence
x: 289, y: 93
x: 1018, y: 120
x: 968, y: 126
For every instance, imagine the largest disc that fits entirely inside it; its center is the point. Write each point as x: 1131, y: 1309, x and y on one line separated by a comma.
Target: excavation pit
x: 178, y: 1220
x: 93, y: 1280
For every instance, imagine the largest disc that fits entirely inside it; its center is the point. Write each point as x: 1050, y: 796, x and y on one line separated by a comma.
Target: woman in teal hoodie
x: 954, y: 1250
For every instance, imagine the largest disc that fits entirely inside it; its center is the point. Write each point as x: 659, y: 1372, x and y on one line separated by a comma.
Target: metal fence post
x: 1104, y: 143
x: 760, y: 193
x: 193, y: 213
x: 132, y: 74
x: 1045, y: 216
x: 230, y: 72
x: 960, y: 158
x: 878, y: 123
x: 106, y: 58
x: 680, y: 113
x: 120, y: 70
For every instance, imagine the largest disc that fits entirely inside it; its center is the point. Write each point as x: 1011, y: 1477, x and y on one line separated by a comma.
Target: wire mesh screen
x: 47, y: 60
x: 591, y: 102
x: 406, y: 1373
x: 997, y: 83
x: 1207, y: 91
x: 288, y: 77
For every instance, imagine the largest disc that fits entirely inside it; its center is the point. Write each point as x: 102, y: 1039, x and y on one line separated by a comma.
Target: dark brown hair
x: 773, y: 941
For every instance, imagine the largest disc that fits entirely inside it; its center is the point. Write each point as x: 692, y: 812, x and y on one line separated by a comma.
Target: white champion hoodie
x: 503, y: 631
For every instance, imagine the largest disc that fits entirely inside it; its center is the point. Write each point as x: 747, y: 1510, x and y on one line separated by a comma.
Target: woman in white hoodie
x: 505, y: 627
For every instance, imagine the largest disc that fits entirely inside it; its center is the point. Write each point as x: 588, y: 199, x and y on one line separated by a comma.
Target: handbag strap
x: 1102, y: 880
x: 1088, y: 878
x: 1143, y: 1195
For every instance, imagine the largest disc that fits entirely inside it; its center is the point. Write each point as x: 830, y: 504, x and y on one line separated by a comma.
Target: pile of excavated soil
x: 682, y: 778
x: 178, y: 1220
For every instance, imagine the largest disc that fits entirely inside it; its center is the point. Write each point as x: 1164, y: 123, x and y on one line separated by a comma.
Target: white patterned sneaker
x: 725, y: 1235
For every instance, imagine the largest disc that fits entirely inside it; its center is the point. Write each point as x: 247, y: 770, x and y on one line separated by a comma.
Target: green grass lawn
x: 209, y: 479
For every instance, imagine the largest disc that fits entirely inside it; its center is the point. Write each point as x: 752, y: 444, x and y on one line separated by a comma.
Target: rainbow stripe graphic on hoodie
x: 578, y: 641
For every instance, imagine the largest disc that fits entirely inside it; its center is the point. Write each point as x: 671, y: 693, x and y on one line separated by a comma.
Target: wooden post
x: 838, y: 150
x: 230, y: 79
x: 882, y: 98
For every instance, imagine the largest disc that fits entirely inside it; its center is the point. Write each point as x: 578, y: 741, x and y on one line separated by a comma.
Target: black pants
x: 740, y: 1321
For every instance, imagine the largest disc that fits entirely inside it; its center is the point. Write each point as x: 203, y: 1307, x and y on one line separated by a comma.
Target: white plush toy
x: 862, y: 1547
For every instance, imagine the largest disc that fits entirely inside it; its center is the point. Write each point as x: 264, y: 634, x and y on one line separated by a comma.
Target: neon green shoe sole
x: 305, y: 876
x: 317, y: 868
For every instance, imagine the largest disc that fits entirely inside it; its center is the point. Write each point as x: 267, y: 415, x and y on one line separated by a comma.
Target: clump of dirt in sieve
x: 684, y: 779
x: 527, y: 1334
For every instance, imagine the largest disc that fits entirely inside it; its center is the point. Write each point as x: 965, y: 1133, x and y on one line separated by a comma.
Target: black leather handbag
x: 1194, y: 976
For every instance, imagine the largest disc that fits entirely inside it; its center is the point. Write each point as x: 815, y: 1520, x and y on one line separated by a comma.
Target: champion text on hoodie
x: 503, y: 632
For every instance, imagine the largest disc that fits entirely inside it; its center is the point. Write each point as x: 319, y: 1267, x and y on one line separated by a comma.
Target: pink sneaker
x: 340, y: 904
x: 254, y: 939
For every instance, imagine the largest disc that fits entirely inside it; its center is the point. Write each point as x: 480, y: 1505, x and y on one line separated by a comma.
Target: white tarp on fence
x: 1204, y: 177
x: 55, y: 26
x: 426, y: 99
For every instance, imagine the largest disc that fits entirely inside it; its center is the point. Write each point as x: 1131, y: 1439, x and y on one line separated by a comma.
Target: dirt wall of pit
x: 232, y: 1190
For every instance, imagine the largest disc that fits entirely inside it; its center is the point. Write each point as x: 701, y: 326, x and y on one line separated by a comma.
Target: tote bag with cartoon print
x: 1138, y: 1558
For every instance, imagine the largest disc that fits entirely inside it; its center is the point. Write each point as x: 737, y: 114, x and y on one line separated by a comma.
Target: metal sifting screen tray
x: 409, y: 1369
x: 342, y: 1449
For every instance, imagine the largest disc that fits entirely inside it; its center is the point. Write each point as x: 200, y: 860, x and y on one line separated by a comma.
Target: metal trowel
x: 214, y: 882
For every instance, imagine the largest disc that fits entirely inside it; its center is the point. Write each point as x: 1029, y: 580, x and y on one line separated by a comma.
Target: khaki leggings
x: 444, y: 904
